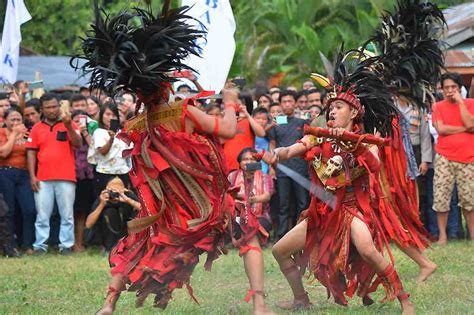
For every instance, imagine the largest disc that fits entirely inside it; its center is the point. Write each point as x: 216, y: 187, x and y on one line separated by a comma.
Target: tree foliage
x: 273, y: 36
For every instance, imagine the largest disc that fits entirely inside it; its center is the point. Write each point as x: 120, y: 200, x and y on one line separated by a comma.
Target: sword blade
x: 320, y: 193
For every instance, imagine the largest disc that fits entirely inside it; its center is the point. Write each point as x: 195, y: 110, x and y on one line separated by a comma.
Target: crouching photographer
x: 114, y: 207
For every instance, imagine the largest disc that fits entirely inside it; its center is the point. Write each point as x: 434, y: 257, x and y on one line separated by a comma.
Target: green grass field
x: 76, y: 285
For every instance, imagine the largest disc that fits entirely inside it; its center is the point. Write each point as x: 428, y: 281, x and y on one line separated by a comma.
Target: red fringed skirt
x: 181, y: 183
x: 333, y: 259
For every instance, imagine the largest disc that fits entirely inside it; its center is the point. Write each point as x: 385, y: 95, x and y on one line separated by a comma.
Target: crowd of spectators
x: 64, y: 180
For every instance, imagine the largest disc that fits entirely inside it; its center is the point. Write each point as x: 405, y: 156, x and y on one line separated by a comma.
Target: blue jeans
x: 16, y: 188
x: 65, y: 192
x: 454, y: 212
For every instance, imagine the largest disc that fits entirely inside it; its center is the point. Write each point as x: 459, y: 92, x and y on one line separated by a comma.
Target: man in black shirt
x: 286, y: 133
x: 114, y: 207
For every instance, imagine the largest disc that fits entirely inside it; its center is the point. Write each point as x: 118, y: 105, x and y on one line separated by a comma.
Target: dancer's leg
x: 427, y: 267
x: 116, y: 285
x: 291, y: 243
x: 362, y: 240
x: 253, y: 263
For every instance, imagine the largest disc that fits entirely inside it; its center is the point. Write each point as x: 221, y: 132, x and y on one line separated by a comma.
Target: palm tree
x: 286, y: 36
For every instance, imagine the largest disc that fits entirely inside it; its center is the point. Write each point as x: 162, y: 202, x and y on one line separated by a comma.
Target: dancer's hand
x: 230, y: 96
x: 337, y: 132
x: 270, y: 157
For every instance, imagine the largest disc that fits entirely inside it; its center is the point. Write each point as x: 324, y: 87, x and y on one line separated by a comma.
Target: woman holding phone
x: 85, y: 195
x: 252, y: 190
x: 107, y: 149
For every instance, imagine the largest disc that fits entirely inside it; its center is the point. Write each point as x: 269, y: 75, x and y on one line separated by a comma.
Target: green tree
x: 273, y: 36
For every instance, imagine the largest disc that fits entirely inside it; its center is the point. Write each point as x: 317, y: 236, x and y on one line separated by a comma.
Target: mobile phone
x: 281, y: 120
x: 240, y: 82
x: 114, y: 125
x: 36, y: 85
x: 252, y: 167
x: 82, y: 120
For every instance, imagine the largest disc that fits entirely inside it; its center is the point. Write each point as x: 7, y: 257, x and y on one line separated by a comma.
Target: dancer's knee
x: 280, y: 253
x: 368, y: 253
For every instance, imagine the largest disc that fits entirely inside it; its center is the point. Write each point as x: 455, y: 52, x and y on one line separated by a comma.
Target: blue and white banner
x: 218, y: 45
x: 16, y: 14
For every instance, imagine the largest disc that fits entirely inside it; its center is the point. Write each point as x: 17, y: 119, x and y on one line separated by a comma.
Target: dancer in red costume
x: 405, y: 52
x: 178, y: 170
x: 407, y: 56
x: 345, y: 244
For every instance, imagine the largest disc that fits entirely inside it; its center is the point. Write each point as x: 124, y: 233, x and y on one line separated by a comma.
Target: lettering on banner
x: 205, y: 23
x: 8, y: 60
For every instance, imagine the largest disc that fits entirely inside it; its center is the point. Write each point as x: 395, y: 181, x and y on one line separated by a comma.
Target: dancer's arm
x: 225, y: 127
x: 286, y: 153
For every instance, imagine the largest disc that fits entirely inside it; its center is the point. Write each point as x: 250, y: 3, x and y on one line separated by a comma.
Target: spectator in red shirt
x: 50, y: 146
x: 453, y: 119
x: 247, y: 129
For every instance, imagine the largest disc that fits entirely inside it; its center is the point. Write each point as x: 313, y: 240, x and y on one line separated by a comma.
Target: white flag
x: 16, y: 14
x: 218, y: 45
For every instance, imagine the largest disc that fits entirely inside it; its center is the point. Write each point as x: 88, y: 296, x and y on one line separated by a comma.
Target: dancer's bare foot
x: 296, y: 304
x: 105, y: 310
x: 265, y: 310
x: 407, y: 307
x: 426, y: 271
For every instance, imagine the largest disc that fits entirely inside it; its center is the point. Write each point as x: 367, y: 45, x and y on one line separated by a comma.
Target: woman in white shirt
x: 108, y: 149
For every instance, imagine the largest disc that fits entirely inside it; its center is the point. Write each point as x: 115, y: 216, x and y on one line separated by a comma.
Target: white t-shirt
x: 112, y: 162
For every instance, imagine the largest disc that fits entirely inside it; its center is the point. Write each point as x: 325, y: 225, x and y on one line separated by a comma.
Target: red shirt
x: 458, y: 147
x: 17, y: 157
x: 55, y: 152
x: 244, y: 138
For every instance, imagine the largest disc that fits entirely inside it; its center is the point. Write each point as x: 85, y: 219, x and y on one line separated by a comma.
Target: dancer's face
x: 342, y: 114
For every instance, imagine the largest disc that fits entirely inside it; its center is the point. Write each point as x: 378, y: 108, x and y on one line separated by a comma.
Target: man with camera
x: 114, y: 207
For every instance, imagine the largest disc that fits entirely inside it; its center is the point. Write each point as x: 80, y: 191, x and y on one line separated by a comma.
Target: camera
x: 114, y: 194
x: 252, y: 167
x: 4, y: 95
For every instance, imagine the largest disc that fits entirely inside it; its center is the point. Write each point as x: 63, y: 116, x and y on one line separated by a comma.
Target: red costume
x: 344, y: 178
x: 181, y: 180
x: 399, y: 214
x: 403, y: 56
x: 178, y: 171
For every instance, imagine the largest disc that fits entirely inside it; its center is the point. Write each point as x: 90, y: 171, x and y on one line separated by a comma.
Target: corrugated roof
x: 460, y: 20
x: 460, y: 35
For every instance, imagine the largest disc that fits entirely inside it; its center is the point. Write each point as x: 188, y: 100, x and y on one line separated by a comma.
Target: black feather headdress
x: 354, y: 82
x: 407, y: 50
x: 135, y: 51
